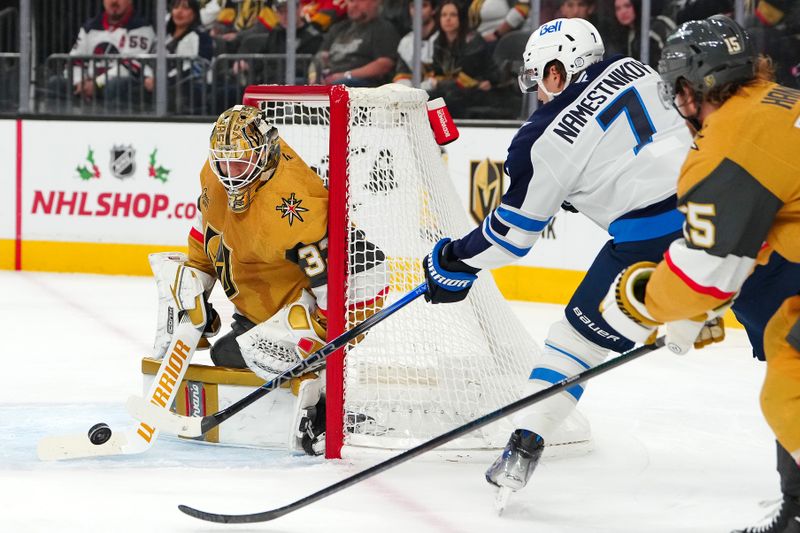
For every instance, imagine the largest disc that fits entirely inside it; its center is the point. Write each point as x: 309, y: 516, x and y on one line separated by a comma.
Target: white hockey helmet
x: 575, y: 42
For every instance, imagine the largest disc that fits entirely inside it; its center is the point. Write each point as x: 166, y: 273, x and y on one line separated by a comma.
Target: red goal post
x: 336, y: 97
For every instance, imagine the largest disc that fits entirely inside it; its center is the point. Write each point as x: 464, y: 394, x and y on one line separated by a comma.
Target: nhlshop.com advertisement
x: 89, y: 181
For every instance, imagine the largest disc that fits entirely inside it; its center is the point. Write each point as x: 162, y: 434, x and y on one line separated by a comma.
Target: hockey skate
x: 786, y: 519
x: 512, y: 470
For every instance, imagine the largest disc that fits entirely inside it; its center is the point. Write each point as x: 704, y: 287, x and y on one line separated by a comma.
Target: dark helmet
x: 708, y: 54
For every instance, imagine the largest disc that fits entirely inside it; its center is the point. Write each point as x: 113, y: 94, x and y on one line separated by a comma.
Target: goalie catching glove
x: 624, y: 310
x: 181, y: 289
x: 449, y: 279
x: 285, y: 339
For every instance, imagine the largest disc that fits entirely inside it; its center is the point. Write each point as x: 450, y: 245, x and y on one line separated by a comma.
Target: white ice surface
x: 679, y: 443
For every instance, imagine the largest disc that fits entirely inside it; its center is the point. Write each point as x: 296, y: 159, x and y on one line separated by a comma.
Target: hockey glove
x: 283, y: 340
x: 624, y: 310
x: 449, y: 279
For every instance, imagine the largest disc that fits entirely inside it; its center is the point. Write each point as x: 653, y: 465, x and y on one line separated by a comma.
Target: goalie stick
x: 426, y: 446
x: 139, y: 438
x: 187, y: 426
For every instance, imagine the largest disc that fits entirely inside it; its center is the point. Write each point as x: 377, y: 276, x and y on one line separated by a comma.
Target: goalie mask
x: 575, y: 42
x: 243, y: 153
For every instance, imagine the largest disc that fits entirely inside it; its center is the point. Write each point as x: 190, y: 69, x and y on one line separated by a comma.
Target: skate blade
x: 501, y: 499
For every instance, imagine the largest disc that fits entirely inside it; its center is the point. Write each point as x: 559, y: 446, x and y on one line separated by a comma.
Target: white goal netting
x: 428, y: 368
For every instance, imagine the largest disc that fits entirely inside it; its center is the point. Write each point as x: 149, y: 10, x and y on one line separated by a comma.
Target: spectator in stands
x: 405, y: 50
x: 494, y: 18
x: 698, y: 9
x: 308, y: 39
x: 114, y: 31
x: 185, y: 37
x: 625, y: 36
x: 776, y: 31
x: 583, y: 9
x: 359, y: 51
x: 235, y: 17
x: 396, y: 12
x: 318, y: 14
x: 463, y: 69
x: 322, y: 14
x: 209, y: 10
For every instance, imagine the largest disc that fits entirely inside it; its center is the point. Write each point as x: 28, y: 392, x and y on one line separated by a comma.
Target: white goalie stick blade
x: 76, y: 446
x: 167, y: 421
x: 501, y: 499
x: 139, y: 438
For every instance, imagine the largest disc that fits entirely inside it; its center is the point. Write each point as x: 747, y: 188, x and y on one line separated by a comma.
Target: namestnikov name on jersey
x: 247, y: 251
x: 611, y: 85
x: 607, y: 145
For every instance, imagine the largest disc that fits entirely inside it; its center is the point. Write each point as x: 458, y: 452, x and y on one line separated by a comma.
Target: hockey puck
x: 99, y: 433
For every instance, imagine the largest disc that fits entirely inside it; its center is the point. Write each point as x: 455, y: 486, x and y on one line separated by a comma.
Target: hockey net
x: 429, y: 368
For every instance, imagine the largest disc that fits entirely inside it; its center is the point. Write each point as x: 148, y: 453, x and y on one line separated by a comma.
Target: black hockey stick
x: 187, y: 426
x: 429, y: 445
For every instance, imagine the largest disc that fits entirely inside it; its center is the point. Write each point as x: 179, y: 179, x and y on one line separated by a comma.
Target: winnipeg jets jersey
x: 131, y: 36
x: 608, y: 146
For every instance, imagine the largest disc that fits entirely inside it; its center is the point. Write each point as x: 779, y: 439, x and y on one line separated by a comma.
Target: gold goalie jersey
x: 740, y: 191
x: 263, y: 257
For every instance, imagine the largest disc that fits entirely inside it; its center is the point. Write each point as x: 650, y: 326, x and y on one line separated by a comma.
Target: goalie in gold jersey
x: 262, y: 233
x: 740, y: 191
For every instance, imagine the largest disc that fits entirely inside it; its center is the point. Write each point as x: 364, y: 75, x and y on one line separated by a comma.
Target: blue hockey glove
x: 449, y: 279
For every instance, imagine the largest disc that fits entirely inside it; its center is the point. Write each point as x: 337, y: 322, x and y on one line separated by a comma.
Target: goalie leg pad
x: 566, y: 352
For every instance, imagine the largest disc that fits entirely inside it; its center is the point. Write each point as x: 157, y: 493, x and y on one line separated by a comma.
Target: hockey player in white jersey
x: 602, y: 143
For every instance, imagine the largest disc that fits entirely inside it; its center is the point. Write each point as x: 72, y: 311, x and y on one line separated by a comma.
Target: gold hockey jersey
x: 264, y: 256
x: 740, y: 191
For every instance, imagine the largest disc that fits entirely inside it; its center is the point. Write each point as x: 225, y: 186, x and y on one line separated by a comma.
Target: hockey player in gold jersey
x: 261, y: 232
x: 740, y: 191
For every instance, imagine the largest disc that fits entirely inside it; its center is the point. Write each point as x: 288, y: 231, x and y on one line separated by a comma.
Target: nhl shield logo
x: 123, y: 161
x: 485, y: 188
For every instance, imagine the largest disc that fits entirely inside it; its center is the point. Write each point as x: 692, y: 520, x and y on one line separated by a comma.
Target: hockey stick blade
x: 192, y: 427
x: 140, y: 437
x: 166, y: 421
x: 78, y: 446
x: 429, y: 445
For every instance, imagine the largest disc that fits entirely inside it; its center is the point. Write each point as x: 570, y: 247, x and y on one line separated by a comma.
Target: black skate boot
x: 514, y: 467
x: 786, y: 519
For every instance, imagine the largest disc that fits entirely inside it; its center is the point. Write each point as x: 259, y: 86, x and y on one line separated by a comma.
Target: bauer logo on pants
x: 485, y: 188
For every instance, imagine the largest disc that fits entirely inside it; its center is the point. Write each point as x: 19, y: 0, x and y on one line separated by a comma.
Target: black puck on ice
x: 99, y: 433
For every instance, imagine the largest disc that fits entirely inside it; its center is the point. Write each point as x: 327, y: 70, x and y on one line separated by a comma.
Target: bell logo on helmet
x: 550, y: 28
x: 564, y: 40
